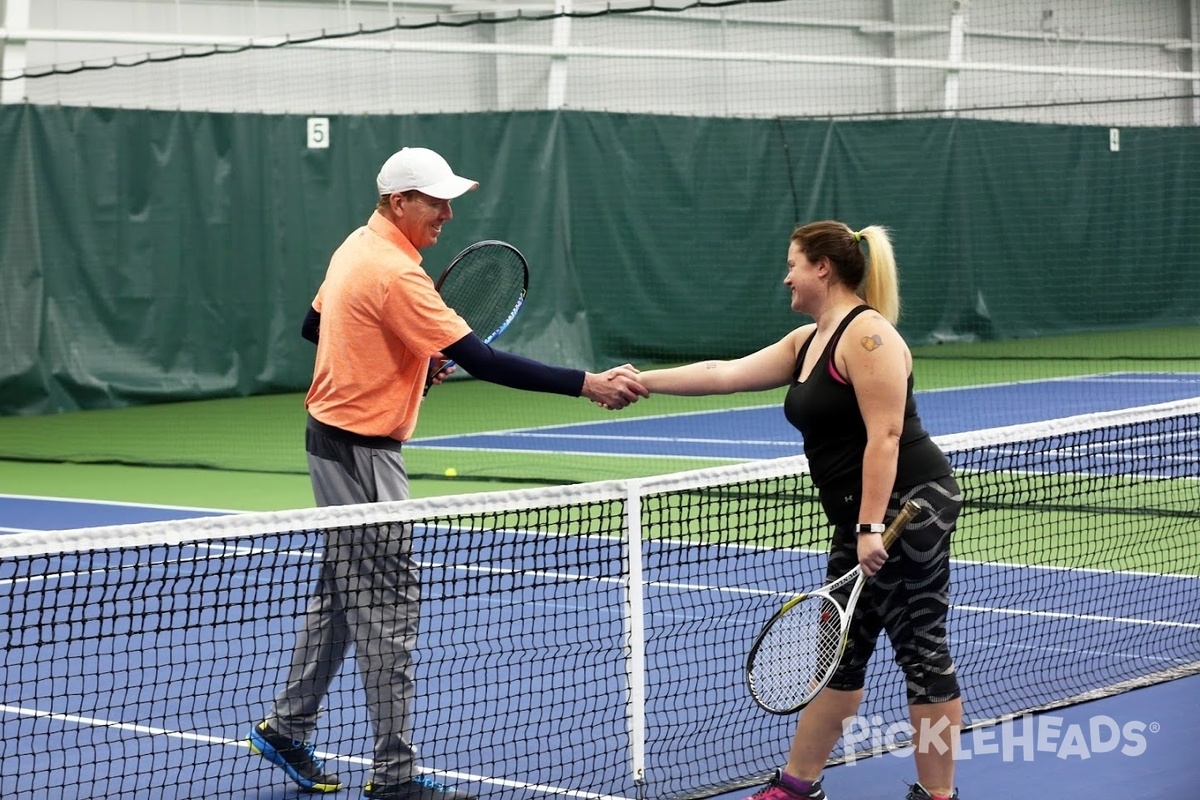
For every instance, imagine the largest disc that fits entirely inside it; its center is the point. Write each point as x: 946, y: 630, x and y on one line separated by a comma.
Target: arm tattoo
x: 872, y: 342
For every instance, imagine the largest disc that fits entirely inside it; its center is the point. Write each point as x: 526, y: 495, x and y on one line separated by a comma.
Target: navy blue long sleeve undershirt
x: 484, y: 362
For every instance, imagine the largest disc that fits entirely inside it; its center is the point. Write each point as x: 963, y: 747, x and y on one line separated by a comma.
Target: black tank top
x: 825, y: 411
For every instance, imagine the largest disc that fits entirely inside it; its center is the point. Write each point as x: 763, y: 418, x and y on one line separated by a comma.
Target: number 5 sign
x: 318, y: 132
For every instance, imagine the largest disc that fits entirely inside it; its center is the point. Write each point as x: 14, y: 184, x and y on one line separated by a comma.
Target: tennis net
x: 588, y: 641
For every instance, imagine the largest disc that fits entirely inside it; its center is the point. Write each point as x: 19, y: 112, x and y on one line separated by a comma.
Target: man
x: 378, y: 321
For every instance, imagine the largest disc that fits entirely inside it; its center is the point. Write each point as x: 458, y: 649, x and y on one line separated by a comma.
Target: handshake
x: 615, y: 388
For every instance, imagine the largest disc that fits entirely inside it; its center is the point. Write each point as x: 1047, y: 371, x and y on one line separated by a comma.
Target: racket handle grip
x: 434, y: 371
x: 896, y: 526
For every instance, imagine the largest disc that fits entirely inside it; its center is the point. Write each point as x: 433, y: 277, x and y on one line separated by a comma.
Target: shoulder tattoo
x: 872, y: 342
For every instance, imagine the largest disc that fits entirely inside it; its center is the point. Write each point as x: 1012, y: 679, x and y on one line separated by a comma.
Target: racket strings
x: 796, y: 656
x: 485, y: 286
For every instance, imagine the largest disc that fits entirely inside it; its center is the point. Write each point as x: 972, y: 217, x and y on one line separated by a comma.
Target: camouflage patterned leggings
x: 908, y: 597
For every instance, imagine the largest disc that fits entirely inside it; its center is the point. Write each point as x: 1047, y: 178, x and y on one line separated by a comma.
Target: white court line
x: 452, y: 448
x: 224, y: 551
x: 164, y: 562
x: 120, y: 503
x: 239, y: 743
x: 1132, y: 378
x: 227, y: 550
x: 700, y: 587
x: 1061, y: 651
x: 1017, y: 612
x: 794, y: 444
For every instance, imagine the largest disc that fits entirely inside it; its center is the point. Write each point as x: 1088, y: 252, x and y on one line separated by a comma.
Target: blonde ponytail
x: 881, y: 285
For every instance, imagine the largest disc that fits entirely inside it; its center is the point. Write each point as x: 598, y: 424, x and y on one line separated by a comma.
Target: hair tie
x: 857, y: 236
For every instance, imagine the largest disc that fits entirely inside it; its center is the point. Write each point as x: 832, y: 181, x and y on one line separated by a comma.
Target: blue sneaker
x: 294, y: 758
x: 421, y: 787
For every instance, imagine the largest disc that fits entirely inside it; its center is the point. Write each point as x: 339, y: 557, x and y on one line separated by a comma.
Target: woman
x: 850, y: 395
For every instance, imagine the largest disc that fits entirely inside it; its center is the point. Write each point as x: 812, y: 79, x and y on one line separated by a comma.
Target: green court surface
x: 247, y: 453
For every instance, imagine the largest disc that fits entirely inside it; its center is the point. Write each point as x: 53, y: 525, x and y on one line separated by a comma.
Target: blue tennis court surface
x: 199, y: 609
x: 554, y: 677
x: 734, y: 434
x: 23, y: 513
x: 762, y: 432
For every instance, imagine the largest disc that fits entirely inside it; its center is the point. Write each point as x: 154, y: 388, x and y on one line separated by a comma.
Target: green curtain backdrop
x: 150, y: 255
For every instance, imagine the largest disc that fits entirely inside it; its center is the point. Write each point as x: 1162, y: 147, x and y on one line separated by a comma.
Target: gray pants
x: 367, y: 595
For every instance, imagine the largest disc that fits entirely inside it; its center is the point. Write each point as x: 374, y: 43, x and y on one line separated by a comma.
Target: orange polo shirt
x: 381, y: 321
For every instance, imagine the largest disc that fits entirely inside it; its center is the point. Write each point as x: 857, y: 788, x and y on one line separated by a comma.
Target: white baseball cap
x: 424, y: 170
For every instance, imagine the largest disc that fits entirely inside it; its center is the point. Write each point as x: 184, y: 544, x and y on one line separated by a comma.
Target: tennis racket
x: 797, y: 651
x: 486, y: 285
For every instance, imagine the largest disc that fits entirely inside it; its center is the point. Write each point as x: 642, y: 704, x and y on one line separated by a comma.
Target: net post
x: 635, y: 635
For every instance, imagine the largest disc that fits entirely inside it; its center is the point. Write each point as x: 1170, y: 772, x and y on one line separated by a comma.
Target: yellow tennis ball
x: 451, y: 472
